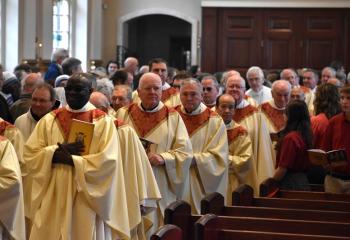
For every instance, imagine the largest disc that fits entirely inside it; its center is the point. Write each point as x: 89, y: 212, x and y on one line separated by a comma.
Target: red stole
x: 242, y: 113
x: 275, y: 116
x: 233, y: 133
x: 144, y: 122
x: 118, y: 123
x: 166, y: 94
x: 305, y: 89
x: 64, y: 118
x: 194, y: 122
x: 4, y: 125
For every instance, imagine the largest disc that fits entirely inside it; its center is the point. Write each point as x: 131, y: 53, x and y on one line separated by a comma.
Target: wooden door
x: 280, y: 37
x: 323, y: 34
x: 239, y: 39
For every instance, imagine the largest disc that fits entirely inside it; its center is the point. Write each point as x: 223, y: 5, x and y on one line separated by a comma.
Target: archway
x: 164, y: 32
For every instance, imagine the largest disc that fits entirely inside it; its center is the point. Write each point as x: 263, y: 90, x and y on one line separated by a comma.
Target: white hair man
x: 327, y: 73
x: 206, y: 129
x: 166, y: 140
x: 273, y: 111
x: 257, y: 91
x: 292, y: 77
x: 131, y: 65
x: 248, y: 116
x: 122, y: 96
x: 310, y: 79
x: 55, y: 68
x: 240, y: 146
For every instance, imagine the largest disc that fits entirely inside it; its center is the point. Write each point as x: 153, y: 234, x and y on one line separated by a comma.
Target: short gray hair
x: 127, y: 88
x: 105, y: 86
x: 332, y: 70
x: 216, y: 83
x: 277, y: 82
x: 191, y: 81
x: 59, y: 52
x: 255, y: 69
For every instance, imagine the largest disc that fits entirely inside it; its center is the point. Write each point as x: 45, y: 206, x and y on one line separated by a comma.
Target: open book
x: 335, y: 157
x: 81, y: 131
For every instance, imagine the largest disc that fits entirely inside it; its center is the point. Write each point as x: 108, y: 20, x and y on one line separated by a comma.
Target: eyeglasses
x: 208, y: 89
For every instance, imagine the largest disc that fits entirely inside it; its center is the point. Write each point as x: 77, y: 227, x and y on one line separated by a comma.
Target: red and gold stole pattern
x: 166, y: 94
x: 194, y: 122
x: 275, y: 116
x: 144, y: 122
x: 305, y: 89
x: 65, y: 117
x: 118, y: 123
x: 233, y: 133
x: 5, y: 125
x: 242, y: 113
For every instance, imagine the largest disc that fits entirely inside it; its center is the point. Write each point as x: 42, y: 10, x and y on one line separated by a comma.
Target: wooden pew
x: 167, y: 232
x: 209, y: 227
x: 270, y: 188
x: 214, y: 203
x: 243, y: 196
x: 179, y: 214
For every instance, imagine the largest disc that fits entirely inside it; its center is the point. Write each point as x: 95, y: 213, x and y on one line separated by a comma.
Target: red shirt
x: 337, y: 136
x: 293, y: 154
x: 319, y: 126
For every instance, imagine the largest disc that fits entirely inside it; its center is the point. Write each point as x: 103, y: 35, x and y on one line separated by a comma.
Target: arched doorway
x: 158, y: 35
x: 175, y: 32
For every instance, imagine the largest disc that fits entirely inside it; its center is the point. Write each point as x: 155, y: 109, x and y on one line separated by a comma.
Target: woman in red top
x: 327, y: 105
x: 295, y: 139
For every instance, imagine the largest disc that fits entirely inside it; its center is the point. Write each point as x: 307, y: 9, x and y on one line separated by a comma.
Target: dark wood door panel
x: 319, y: 53
x: 239, y: 43
x: 209, y: 40
x: 275, y: 38
x: 323, y: 36
x: 280, y: 34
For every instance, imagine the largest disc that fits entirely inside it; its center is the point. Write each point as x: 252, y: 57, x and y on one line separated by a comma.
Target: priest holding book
x: 69, y: 194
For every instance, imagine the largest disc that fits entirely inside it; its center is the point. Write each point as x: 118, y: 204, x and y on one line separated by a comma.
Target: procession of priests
x: 97, y: 157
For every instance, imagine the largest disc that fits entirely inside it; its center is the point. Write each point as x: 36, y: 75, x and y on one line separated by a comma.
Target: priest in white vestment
x: 68, y: 194
x: 12, y: 133
x: 141, y: 187
x: 12, y: 225
x: 248, y: 116
x: 166, y: 141
x: 209, y: 168
x: 43, y: 100
x: 273, y: 111
x: 240, y: 146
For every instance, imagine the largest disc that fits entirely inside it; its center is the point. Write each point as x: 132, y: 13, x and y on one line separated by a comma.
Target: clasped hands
x: 155, y: 159
x: 63, y: 154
